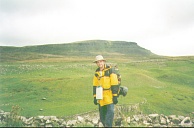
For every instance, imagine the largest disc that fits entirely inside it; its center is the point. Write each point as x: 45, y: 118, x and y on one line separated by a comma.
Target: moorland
x: 57, y: 79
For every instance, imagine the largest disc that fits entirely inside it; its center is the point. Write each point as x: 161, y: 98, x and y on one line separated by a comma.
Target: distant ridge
x: 80, y: 48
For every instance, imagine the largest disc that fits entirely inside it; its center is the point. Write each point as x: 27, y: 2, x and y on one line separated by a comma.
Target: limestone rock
x: 48, y: 122
x: 167, y: 119
x: 6, y: 114
x: 60, y: 121
x: 181, y: 118
x: 146, y: 123
x: 53, y: 118
x: 80, y: 119
x: 153, y: 115
x: 35, y: 123
x: 100, y: 125
x: 43, y: 98
x: 148, y: 119
x: 128, y: 120
x: 89, y: 124
x: 41, y: 124
x: 171, y: 117
x: 186, y: 122
x: 154, y: 118
x: 47, y: 118
x: 162, y: 121
x: 22, y: 118
x: 39, y: 117
x: 176, y: 120
x: 136, y: 117
x: 29, y: 121
x: 95, y: 121
x: 48, y: 125
x: 64, y: 123
x: 71, y: 122
x: 156, y: 125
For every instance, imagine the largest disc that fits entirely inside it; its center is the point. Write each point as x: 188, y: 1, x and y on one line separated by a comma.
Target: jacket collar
x: 105, y: 67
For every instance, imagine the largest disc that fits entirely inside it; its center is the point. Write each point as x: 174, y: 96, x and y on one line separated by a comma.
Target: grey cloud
x: 178, y: 12
x: 31, y: 6
x: 23, y: 22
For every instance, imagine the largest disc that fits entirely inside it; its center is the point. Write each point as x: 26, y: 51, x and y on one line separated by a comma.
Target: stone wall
x: 92, y: 119
x: 156, y: 120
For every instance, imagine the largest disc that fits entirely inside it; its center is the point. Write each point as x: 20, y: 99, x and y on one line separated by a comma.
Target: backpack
x: 122, y: 89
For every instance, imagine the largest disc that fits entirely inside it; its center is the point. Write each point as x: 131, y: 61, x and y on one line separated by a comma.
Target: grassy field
x: 167, y: 84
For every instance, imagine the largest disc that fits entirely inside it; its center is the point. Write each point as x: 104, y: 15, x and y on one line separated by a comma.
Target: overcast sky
x: 166, y: 27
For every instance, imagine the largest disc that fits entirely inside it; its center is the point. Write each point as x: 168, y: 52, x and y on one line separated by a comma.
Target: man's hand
x: 115, y: 101
x: 95, y: 101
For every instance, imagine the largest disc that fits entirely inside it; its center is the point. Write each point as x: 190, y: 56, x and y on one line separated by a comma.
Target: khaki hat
x: 99, y: 57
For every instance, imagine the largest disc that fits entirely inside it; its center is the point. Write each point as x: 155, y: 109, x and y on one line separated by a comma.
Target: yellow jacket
x: 109, y: 82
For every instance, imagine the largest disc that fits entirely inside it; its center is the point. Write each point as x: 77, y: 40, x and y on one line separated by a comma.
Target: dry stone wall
x: 92, y: 120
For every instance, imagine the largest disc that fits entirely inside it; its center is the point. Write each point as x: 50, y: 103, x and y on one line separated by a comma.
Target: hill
x: 56, y: 79
x: 83, y: 48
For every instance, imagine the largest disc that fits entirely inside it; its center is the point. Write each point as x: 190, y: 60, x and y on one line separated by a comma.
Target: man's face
x: 100, y: 63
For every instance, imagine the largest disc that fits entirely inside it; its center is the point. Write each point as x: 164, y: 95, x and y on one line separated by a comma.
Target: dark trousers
x: 107, y: 115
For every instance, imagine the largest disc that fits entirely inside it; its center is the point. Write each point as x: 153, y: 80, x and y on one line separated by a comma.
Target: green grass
x: 166, y: 83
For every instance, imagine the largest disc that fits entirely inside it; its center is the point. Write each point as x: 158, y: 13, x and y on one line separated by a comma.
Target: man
x: 106, y: 79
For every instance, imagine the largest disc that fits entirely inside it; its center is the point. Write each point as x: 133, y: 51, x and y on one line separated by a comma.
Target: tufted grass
x: 167, y: 84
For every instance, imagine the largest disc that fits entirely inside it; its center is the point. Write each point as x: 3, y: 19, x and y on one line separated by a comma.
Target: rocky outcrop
x: 92, y: 120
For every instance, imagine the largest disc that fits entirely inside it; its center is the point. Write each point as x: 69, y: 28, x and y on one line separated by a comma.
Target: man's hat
x: 99, y: 57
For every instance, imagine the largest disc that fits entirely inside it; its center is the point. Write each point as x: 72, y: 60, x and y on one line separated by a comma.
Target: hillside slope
x: 82, y: 48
